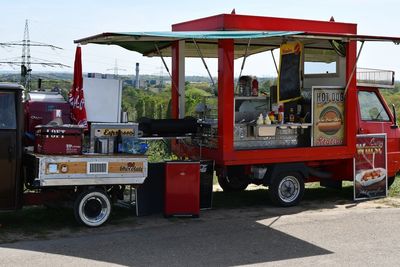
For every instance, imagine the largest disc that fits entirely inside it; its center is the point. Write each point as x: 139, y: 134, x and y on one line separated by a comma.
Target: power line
x: 116, y: 69
x: 26, y: 60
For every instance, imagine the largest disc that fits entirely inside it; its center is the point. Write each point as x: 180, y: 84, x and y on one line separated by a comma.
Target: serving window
x: 320, y: 62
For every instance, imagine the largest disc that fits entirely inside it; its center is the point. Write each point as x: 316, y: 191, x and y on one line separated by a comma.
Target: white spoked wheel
x: 287, y: 189
x: 92, y: 207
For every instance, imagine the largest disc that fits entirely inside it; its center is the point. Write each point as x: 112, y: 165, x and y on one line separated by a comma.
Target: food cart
x: 319, y: 114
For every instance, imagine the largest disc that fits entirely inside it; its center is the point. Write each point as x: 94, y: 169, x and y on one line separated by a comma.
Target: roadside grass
x: 39, y: 222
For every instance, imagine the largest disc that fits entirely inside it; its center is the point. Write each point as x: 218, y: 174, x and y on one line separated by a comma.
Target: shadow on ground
x: 229, y: 234
x: 223, y: 238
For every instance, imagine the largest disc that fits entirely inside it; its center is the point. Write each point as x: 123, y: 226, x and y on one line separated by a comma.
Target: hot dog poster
x: 328, y: 116
x: 370, y: 167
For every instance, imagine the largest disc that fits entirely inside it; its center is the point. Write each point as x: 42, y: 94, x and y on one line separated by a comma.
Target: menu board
x: 370, y: 167
x: 289, y: 71
x: 328, y: 116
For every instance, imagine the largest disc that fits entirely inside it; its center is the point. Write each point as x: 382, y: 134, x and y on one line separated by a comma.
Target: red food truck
x: 305, y: 128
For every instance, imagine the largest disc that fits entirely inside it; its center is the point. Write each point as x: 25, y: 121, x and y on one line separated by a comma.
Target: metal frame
x: 225, y: 153
x: 61, y: 179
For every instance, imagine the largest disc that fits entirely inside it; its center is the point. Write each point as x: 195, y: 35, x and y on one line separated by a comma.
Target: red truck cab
x: 374, y: 116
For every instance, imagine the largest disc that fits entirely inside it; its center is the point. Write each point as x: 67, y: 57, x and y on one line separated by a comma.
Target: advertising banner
x: 370, y: 167
x: 328, y: 116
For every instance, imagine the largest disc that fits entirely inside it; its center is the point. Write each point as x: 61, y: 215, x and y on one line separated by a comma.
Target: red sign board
x: 370, y: 167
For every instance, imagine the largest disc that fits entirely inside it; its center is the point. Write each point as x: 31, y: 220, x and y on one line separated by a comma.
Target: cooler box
x: 182, y: 188
x: 39, y: 107
x: 58, y: 140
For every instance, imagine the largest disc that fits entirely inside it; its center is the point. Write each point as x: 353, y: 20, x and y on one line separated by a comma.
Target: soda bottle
x: 118, y: 143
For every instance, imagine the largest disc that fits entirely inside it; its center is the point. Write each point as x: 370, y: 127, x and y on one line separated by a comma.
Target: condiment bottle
x: 254, y: 87
x: 272, y: 116
x: 291, y: 115
x: 280, y: 114
x: 118, y: 143
x: 260, y: 120
x: 267, y: 120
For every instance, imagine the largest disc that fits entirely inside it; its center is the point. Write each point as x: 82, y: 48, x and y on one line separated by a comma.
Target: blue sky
x: 60, y: 22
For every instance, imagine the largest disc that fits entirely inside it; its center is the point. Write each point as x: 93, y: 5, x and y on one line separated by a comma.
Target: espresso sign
x: 111, y: 132
x: 328, y: 116
x: 370, y: 167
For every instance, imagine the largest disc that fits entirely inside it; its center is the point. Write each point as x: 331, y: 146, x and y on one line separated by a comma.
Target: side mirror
x: 394, y: 126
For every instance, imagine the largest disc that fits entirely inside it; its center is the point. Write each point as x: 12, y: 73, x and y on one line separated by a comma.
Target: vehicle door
x: 375, y: 117
x: 8, y: 162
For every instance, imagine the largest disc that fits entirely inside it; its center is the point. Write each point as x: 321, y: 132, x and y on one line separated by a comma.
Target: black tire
x: 391, y: 181
x: 92, y: 207
x: 286, y: 189
x: 235, y: 180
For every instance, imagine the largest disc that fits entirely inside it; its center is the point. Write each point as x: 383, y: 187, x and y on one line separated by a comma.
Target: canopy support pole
x: 205, y: 65
x: 166, y: 67
x: 244, y: 61
x: 273, y: 58
x: 354, y: 69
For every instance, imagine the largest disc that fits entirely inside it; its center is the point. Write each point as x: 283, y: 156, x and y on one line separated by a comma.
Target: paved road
x: 359, y: 236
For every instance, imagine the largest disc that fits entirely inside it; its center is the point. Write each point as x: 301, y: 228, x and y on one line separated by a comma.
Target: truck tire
x: 235, y: 180
x: 92, y: 207
x: 286, y: 189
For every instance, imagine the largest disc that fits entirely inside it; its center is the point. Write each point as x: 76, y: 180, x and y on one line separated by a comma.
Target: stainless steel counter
x: 271, y: 136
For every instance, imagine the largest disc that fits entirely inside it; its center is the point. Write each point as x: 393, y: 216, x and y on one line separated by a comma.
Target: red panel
x: 243, y: 22
x: 58, y: 140
x: 175, y: 81
x: 182, y: 188
x: 212, y: 23
x: 351, y: 98
x: 225, y: 96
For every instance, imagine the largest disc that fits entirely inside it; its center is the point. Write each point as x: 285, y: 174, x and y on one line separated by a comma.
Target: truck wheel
x: 235, y: 180
x: 92, y: 207
x: 286, y: 189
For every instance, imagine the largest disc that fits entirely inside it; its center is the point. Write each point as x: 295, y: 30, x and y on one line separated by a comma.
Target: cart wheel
x: 287, y: 189
x: 235, y: 181
x: 92, y: 207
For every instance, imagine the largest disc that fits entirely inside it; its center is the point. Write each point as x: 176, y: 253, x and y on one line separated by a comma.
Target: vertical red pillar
x: 225, y: 96
x: 175, y: 81
x: 351, y: 97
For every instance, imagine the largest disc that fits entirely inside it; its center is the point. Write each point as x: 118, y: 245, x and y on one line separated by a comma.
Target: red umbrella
x: 76, y: 98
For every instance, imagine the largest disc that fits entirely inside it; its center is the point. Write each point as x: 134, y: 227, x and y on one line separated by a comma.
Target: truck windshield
x: 371, y: 107
x: 7, y: 111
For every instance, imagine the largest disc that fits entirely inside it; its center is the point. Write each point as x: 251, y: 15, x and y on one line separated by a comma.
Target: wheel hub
x: 94, y: 209
x: 289, y: 189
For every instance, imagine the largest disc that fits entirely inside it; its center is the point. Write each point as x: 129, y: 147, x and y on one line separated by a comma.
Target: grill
x: 97, y: 168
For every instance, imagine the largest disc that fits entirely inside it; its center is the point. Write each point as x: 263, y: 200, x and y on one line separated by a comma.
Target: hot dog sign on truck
x: 328, y: 116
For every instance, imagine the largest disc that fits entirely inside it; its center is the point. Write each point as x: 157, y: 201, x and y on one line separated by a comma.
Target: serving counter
x: 272, y: 136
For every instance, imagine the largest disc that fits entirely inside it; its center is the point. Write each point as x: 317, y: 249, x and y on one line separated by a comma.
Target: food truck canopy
x: 147, y: 43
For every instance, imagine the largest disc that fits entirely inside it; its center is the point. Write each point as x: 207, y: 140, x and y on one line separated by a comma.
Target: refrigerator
x: 182, y: 188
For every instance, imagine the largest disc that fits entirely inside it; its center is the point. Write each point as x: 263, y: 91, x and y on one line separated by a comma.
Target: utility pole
x: 26, y: 60
x: 116, y: 69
